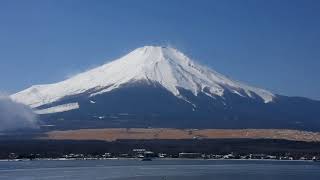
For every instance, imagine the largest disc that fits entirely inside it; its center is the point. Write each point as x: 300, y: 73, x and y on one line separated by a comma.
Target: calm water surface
x: 160, y: 170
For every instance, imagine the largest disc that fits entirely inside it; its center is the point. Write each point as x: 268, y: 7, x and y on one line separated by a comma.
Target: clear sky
x: 273, y: 44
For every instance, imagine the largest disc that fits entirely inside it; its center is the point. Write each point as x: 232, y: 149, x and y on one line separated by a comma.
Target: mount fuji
x: 161, y: 87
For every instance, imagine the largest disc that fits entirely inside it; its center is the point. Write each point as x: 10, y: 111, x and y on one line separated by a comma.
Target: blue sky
x: 273, y: 44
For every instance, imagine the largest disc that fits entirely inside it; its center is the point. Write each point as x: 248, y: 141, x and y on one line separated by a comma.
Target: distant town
x: 147, y: 155
x: 28, y: 149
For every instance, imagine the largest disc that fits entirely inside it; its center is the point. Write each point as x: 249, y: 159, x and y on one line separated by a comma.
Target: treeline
x: 58, y: 148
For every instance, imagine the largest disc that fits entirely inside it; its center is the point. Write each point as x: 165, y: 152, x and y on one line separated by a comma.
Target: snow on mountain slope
x: 166, y: 66
x: 60, y: 108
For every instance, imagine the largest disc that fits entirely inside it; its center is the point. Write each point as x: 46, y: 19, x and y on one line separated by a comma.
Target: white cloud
x: 15, y: 116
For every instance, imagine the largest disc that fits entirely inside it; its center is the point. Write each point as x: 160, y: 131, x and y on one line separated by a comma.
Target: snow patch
x: 60, y: 108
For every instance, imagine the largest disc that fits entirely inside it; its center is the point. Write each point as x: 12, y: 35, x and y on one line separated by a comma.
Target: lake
x: 159, y: 170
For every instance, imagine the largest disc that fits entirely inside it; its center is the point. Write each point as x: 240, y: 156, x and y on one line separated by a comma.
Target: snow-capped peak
x: 164, y: 65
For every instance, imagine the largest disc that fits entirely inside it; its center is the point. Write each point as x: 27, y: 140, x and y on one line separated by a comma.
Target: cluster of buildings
x: 146, y: 154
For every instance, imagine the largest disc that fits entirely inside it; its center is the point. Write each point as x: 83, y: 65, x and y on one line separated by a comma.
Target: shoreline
x: 156, y: 159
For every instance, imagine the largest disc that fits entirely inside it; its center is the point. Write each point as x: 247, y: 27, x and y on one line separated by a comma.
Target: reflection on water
x: 160, y: 170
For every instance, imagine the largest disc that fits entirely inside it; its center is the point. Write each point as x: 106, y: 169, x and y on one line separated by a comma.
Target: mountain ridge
x: 166, y: 66
x: 161, y: 87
